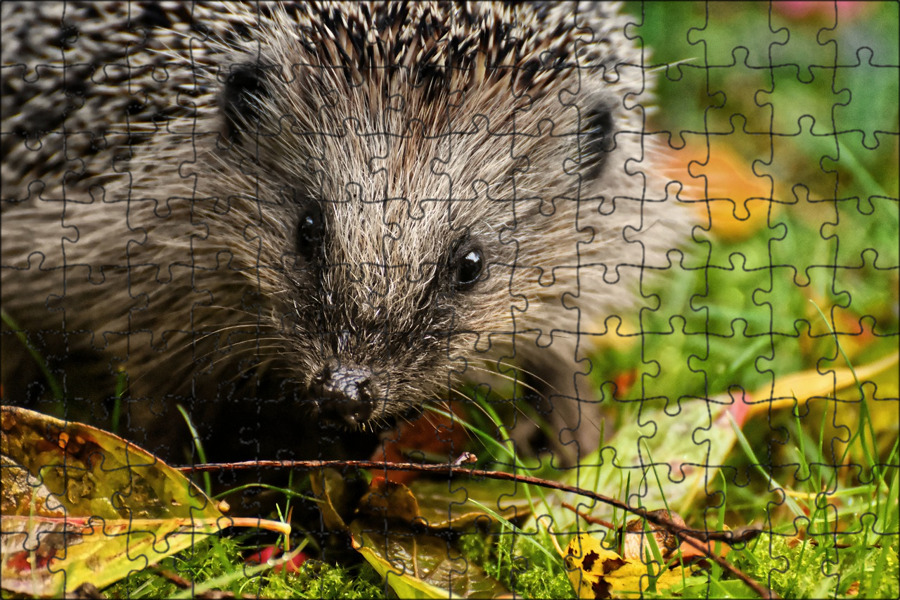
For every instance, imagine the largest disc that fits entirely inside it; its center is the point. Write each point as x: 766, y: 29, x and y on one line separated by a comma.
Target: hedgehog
x: 308, y: 220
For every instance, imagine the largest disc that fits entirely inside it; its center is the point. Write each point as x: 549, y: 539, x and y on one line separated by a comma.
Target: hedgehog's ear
x: 243, y: 92
x: 597, y: 137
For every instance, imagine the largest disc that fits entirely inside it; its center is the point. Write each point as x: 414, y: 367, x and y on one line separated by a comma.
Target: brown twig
x: 684, y: 534
x: 592, y: 520
x: 175, y: 578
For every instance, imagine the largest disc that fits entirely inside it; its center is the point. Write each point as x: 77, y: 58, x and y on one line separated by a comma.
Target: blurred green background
x: 787, y: 110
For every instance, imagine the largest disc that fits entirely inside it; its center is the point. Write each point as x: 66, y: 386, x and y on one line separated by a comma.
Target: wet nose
x: 344, y: 394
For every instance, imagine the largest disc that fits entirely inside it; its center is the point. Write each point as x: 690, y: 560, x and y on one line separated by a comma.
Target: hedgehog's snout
x: 344, y: 394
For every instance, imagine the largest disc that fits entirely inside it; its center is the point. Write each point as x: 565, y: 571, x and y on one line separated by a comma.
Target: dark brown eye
x: 310, y: 232
x: 598, y: 130
x: 241, y: 97
x: 469, y: 266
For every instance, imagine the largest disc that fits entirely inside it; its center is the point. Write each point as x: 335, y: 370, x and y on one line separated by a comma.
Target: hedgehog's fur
x: 158, y: 158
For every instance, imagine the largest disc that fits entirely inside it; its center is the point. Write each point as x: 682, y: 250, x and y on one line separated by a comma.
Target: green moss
x: 517, y: 563
x: 321, y: 580
x: 537, y: 583
x: 823, y: 570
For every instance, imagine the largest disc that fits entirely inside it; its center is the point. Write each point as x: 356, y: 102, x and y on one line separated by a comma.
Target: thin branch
x: 688, y: 536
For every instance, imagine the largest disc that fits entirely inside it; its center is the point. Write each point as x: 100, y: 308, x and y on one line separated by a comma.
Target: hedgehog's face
x: 382, y: 304
x: 384, y: 315
x: 400, y: 219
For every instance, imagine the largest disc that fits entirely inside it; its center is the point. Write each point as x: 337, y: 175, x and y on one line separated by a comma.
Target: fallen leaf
x: 338, y: 497
x: 84, y: 506
x: 423, y: 566
x: 723, y: 188
x: 587, y: 562
x: 673, y: 454
x: 635, y: 543
x: 389, y: 500
x: 598, y: 572
x: 431, y: 435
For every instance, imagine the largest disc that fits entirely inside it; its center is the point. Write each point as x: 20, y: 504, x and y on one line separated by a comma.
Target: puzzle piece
x: 646, y: 255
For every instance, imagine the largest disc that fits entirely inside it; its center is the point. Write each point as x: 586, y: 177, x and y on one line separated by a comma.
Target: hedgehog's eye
x: 240, y: 99
x: 469, y: 266
x: 598, y: 131
x: 310, y: 232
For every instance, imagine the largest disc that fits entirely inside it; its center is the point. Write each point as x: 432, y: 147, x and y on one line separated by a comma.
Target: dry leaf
x: 84, y: 506
x: 597, y: 572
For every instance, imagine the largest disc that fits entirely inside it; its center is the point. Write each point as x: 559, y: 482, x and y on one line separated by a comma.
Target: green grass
x: 217, y: 566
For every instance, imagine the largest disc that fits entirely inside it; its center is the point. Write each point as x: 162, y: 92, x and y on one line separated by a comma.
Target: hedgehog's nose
x: 344, y: 394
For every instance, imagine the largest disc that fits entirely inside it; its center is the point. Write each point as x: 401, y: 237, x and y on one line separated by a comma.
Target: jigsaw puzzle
x: 433, y: 299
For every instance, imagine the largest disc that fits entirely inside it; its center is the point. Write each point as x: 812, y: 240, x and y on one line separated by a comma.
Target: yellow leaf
x: 81, y: 505
x: 806, y: 385
x: 596, y: 572
x: 587, y: 562
x: 723, y: 187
